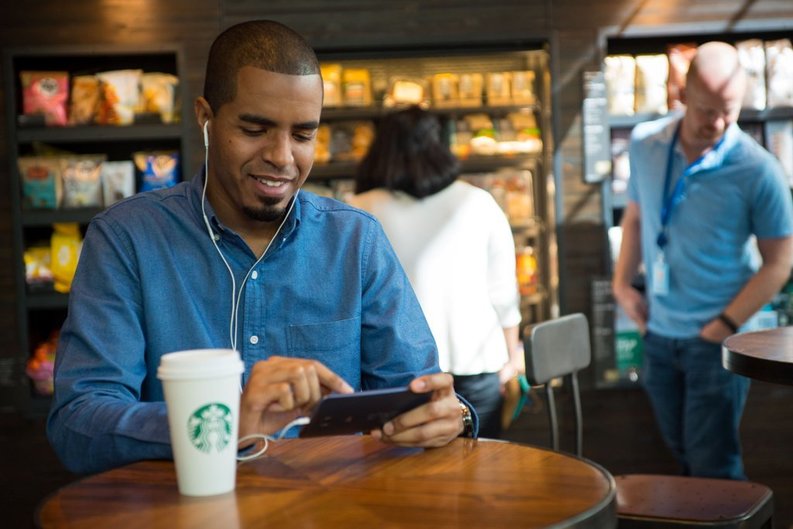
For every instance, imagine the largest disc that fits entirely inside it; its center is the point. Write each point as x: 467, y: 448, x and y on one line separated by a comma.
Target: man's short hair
x: 263, y: 44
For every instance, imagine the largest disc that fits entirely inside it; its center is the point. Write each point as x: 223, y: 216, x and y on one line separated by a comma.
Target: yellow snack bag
x: 65, y: 243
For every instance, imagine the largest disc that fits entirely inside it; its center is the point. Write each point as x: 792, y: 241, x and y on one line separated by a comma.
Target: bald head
x: 713, y: 95
x: 717, y: 69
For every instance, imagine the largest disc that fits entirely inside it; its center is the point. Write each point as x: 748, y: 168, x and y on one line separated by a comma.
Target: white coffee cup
x: 202, y: 395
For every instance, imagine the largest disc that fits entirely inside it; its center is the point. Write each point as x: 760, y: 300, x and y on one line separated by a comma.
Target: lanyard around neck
x: 678, y: 194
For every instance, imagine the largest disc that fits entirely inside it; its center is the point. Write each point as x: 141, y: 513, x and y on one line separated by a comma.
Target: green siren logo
x: 209, y: 427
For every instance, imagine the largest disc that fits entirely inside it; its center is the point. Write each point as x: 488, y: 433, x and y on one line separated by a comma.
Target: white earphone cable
x: 236, y: 297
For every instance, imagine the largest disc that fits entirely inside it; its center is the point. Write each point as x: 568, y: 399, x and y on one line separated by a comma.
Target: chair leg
x: 579, y: 430
x: 552, y: 416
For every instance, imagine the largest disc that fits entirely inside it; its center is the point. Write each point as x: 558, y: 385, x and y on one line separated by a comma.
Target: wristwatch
x: 468, y: 421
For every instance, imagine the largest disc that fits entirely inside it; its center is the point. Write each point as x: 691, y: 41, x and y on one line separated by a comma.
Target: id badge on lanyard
x: 660, y: 275
x: 660, y: 268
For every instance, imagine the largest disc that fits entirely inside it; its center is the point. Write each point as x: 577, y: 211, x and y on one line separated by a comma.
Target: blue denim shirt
x: 149, y: 282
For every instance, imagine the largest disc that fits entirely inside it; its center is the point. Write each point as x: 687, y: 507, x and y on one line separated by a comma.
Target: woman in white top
x: 457, y: 248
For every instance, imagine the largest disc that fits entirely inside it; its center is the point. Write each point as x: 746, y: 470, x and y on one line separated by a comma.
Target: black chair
x: 560, y: 348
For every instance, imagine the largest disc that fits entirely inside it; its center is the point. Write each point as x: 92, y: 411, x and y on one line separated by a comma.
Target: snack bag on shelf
x: 779, y: 70
x: 751, y: 54
x: 526, y: 270
x: 652, y: 75
x: 84, y: 101
x: 350, y: 140
x: 41, y: 181
x: 120, y: 96
x: 519, y: 196
x: 445, y: 91
x: 356, y: 87
x: 331, y: 81
x: 66, y: 242
x: 38, y: 265
x: 499, y: 88
x: 40, y: 365
x: 158, y: 169
x: 469, y: 87
x: 322, y: 150
x: 45, y: 93
x: 406, y: 91
x: 680, y: 56
x: 158, y: 95
x: 620, y: 78
x: 522, y: 88
x: 82, y: 181
x: 118, y: 181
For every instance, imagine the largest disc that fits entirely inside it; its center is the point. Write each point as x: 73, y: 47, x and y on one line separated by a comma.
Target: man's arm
x: 97, y: 420
x: 777, y: 257
x: 630, y: 257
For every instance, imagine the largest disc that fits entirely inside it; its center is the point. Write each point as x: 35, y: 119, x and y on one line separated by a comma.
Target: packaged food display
x: 680, y: 56
x: 331, y: 80
x: 118, y: 181
x: 526, y: 269
x: 356, y: 87
x: 82, y: 181
x: 66, y: 242
x: 40, y: 366
x: 157, y: 169
x: 38, y: 265
x: 779, y: 64
x: 499, y: 88
x: 120, y: 96
x: 751, y: 53
x: 350, y: 140
x: 518, y: 133
x: 406, y: 91
x: 158, y: 95
x: 322, y: 149
x: 620, y: 78
x: 445, y: 92
x: 41, y: 181
x: 469, y: 87
x: 483, y: 134
x: 652, y: 73
x: 45, y: 93
x: 522, y: 88
x: 84, y: 101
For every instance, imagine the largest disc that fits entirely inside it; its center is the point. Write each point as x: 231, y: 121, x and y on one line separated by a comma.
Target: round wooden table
x: 353, y: 481
x: 765, y: 355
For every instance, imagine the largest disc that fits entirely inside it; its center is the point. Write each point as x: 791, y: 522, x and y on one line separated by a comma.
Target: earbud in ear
x: 206, y: 134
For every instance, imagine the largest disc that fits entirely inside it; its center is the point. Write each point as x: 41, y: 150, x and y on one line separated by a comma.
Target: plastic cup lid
x: 200, y: 363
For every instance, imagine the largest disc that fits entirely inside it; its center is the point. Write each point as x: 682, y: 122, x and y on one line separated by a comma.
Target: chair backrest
x: 559, y: 348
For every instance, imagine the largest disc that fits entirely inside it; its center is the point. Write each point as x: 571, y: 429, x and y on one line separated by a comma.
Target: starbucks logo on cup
x: 209, y: 427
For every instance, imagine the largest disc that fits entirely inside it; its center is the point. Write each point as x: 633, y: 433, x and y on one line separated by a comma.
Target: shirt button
x: 254, y: 339
x: 254, y: 274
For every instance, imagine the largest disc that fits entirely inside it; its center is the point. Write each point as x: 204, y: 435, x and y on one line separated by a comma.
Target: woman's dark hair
x: 264, y: 44
x: 408, y: 154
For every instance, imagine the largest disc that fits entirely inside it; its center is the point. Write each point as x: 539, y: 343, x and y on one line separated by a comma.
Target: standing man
x: 306, y: 288
x: 699, y: 188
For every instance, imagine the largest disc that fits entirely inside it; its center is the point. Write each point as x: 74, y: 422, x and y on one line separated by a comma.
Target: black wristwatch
x: 468, y: 421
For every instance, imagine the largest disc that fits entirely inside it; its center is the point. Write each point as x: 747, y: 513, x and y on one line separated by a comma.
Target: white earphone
x: 235, y: 296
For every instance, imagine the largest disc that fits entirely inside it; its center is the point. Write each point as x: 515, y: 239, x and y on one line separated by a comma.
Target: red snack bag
x: 45, y: 93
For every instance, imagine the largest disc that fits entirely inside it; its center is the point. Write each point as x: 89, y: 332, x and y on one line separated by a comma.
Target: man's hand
x: 715, y: 331
x: 281, y: 389
x: 433, y: 424
x: 633, y: 303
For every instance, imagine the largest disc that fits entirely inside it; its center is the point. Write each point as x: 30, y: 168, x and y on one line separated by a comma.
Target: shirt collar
x: 714, y: 158
x: 196, y: 187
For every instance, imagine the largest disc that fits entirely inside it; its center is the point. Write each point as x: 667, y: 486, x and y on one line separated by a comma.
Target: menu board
x: 597, y: 149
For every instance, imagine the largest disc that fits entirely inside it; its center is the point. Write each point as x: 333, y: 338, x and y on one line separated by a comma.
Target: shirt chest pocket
x: 316, y: 338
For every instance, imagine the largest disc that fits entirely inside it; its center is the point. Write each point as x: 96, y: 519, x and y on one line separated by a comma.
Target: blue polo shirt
x: 149, y: 282
x: 734, y: 191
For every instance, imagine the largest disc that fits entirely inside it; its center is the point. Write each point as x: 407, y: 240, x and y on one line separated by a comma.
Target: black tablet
x: 364, y: 411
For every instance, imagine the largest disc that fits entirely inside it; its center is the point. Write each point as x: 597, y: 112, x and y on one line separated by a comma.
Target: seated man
x: 307, y: 289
